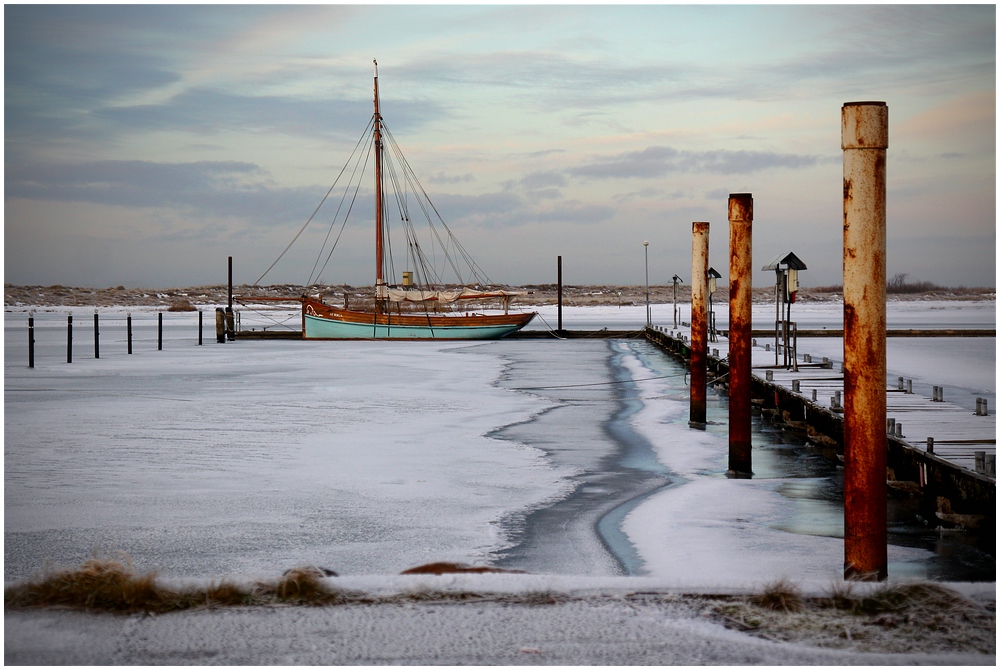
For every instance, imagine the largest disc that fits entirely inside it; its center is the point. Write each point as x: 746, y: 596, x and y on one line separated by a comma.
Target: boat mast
x: 380, y: 291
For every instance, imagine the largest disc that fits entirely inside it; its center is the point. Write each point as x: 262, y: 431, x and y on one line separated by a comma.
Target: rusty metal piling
x: 864, y: 140
x: 740, y: 261
x: 699, y: 322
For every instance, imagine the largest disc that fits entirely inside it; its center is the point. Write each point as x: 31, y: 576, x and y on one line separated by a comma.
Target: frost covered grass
x: 905, y: 617
x: 113, y: 585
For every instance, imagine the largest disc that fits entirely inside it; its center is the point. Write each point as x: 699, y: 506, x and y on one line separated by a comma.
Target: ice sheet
x: 254, y: 456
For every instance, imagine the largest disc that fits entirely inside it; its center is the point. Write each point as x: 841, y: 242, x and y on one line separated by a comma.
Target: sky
x: 145, y: 144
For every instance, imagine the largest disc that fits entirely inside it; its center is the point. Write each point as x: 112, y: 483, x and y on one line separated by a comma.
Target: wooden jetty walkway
x: 957, y: 432
x: 950, y: 482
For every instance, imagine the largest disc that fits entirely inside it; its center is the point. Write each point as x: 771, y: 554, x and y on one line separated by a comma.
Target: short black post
x: 97, y: 337
x: 559, y: 291
x: 159, y: 331
x: 199, y: 327
x: 69, y: 339
x: 31, y: 341
x: 220, y: 325
x: 128, y: 322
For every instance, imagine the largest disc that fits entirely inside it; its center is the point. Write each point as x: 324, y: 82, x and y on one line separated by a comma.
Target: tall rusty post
x: 740, y: 287
x: 864, y: 139
x: 559, y: 291
x: 699, y: 322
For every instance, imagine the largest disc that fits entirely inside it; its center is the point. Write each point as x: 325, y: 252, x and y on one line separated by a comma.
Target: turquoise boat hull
x: 322, y: 322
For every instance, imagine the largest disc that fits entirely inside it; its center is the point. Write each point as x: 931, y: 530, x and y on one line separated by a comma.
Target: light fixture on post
x: 713, y: 275
x: 676, y: 279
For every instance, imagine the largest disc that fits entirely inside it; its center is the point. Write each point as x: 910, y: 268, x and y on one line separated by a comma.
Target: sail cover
x: 413, y: 295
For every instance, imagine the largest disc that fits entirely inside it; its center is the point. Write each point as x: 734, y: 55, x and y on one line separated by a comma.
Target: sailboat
x: 412, y: 309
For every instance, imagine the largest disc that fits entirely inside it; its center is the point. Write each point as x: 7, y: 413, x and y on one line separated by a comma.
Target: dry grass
x: 781, y: 595
x: 894, y: 618
x: 360, y: 297
x: 110, y: 585
x: 182, y: 306
x: 303, y: 586
x: 890, y: 618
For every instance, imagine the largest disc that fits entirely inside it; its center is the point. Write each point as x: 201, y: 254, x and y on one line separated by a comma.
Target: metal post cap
x: 741, y: 207
x: 864, y: 125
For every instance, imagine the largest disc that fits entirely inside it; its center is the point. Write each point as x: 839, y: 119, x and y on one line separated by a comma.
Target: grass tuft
x: 913, y: 597
x: 99, y: 584
x: 182, y: 306
x: 781, y: 595
x: 227, y: 594
x: 302, y: 586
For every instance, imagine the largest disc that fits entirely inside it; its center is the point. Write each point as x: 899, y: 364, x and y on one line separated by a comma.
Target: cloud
x: 538, y: 180
x: 658, y: 161
x: 207, y: 110
x: 442, y: 178
x: 645, y: 193
x: 202, y: 189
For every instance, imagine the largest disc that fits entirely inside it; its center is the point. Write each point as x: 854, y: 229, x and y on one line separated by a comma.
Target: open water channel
x: 616, y: 468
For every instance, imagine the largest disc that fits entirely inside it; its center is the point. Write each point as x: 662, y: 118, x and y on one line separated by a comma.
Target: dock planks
x: 958, y: 432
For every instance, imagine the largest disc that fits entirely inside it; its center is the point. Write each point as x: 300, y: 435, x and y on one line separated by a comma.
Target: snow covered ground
x: 248, y: 458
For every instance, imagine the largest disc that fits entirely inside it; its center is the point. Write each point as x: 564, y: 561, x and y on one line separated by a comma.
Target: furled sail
x: 444, y: 297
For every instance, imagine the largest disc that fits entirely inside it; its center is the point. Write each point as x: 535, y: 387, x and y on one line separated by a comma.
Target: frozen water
x: 250, y: 457
x: 371, y: 457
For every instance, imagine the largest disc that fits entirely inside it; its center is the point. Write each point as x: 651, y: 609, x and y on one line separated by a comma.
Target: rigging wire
x: 346, y: 217
x: 364, y: 134
x: 411, y: 176
x: 336, y: 214
x: 403, y: 180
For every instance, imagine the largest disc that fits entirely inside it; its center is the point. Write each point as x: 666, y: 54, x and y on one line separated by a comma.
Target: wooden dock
x: 950, y: 489
x: 957, y: 432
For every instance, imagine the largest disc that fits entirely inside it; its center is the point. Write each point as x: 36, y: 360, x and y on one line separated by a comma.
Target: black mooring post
x: 230, y: 319
x: 128, y: 322
x: 69, y: 339
x: 220, y: 325
x: 199, y: 327
x: 97, y: 338
x: 159, y: 331
x: 31, y: 341
x: 559, y: 291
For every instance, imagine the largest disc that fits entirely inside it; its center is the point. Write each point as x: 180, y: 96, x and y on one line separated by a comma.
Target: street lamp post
x: 645, y: 246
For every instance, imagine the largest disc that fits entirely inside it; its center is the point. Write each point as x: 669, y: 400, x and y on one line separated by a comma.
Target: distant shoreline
x: 537, y: 294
